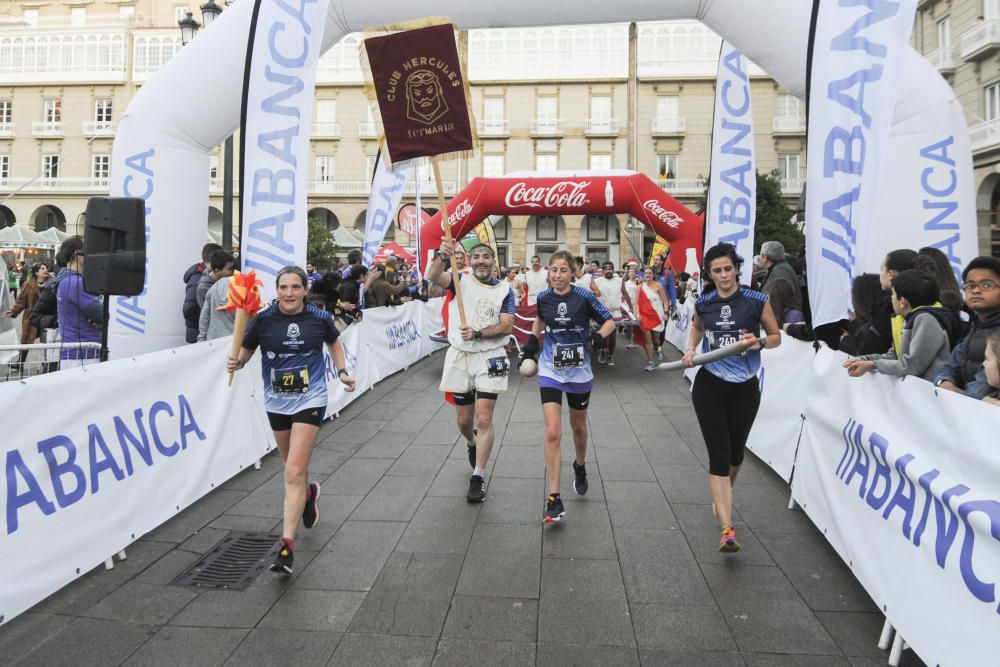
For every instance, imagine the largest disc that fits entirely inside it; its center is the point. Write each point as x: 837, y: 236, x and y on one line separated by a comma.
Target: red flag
x: 649, y: 319
x: 420, y: 89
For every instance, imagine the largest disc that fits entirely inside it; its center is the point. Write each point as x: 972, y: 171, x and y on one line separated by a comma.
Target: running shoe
x: 310, y: 513
x: 580, y: 479
x: 650, y: 366
x: 602, y: 357
x: 283, y: 561
x: 728, y: 543
x: 659, y: 354
x: 611, y: 360
x: 554, y: 510
x: 477, y: 490
x: 472, y: 448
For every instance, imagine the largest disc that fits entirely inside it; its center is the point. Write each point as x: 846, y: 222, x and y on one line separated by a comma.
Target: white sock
x: 479, y: 472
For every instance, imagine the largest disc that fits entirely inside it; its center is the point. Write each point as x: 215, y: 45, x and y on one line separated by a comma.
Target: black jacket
x: 190, y: 310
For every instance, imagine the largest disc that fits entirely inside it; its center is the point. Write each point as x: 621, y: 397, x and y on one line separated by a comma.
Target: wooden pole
x: 443, y: 206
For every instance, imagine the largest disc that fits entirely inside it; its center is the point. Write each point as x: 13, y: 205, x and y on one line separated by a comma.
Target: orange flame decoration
x: 244, y: 293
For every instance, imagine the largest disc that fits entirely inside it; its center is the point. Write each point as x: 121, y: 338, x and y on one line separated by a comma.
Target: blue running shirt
x: 292, y: 361
x: 724, y: 321
x: 565, y: 356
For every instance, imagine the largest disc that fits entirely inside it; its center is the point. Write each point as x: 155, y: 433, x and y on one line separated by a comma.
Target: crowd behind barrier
x: 144, y: 438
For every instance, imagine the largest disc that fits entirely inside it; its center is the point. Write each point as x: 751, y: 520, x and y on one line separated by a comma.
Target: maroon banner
x: 420, y: 90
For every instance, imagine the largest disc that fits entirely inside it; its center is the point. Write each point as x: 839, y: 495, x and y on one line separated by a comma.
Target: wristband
x: 341, y: 371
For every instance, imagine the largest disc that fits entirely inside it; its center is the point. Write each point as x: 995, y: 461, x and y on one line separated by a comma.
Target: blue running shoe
x: 554, y: 510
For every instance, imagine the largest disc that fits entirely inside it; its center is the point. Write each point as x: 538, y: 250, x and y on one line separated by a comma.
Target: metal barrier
x: 18, y: 362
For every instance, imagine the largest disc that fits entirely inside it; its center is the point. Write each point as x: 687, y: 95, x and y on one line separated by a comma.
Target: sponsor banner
x: 392, y: 336
x: 902, y: 481
x: 732, y: 193
x: 420, y: 89
x: 279, y: 81
x: 359, y: 365
x: 387, y: 190
x: 120, y: 458
x: 856, y: 58
x: 784, y: 383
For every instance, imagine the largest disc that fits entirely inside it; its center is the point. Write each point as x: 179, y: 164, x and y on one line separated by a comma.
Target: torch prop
x: 243, y: 297
x: 706, y: 358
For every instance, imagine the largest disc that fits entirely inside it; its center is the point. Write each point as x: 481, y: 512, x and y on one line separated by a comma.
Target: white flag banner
x: 732, y: 191
x: 901, y: 479
x: 279, y: 84
x: 383, y: 200
x: 856, y: 58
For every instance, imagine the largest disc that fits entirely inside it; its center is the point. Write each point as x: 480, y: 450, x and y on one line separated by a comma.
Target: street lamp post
x: 189, y: 28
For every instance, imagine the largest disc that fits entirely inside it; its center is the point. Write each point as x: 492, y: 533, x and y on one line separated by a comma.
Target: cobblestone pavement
x: 402, y: 571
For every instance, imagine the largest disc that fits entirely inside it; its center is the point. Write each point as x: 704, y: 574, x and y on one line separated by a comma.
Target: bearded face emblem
x: 486, y: 313
x: 424, y: 97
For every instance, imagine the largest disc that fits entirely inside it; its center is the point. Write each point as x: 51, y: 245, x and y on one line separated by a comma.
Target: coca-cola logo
x: 668, y: 218
x: 564, y: 194
x: 461, y: 211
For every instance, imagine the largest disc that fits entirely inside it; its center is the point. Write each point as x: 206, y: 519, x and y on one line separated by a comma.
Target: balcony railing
x: 58, y: 184
x: 981, y: 40
x: 367, y: 130
x: 48, y: 129
x: 603, y: 127
x: 682, y: 186
x: 985, y: 136
x: 792, y: 186
x: 326, y: 130
x: 98, y: 128
x: 663, y: 127
x: 789, y: 125
x: 363, y: 188
x: 944, y: 59
x: 548, y: 127
x: 6, y: 129
x: 493, y: 128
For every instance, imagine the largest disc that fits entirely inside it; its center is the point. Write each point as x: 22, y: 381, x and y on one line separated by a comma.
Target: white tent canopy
x: 19, y: 236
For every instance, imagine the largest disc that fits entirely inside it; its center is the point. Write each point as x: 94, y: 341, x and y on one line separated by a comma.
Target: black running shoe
x: 477, y: 490
x: 580, y: 479
x: 472, y: 448
x: 310, y: 513
x: 283, y: 561
x: 554, y: 510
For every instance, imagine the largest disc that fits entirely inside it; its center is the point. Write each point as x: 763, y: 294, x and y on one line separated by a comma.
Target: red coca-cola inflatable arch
x: 569, y: 193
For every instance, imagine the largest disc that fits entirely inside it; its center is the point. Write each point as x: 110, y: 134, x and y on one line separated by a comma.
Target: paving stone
x: 264, y: 502
x: 856, y: 633
x: 193, y: 518
x: 780, y: 660
x: 292, y: 647
x: 248, y: 524
x: 500, y: 619
x: 686, y: 484
x: 393, y: 499
x: 136, y: 602
x: 327, y: 461
x: 764, y: 508
x: 503, y: 561
x: 169, y: 567
x: 353, y: 558
x: 672, y: 657
x: 658, y: 567
x: 187, y: 646
x: 420, y: 460
x: 624, y: 464
x: 379, y: 650
x: 204, y: 540
x: 702, y: 531
x: 585, y: 532
x: 318, y: 611
x: 522, y: 462
x: 583, y: 602
x: 638, y: 505
x: 575, y: 655
x: 441, y: 525
x: 464, y: 652
x: 452, y: 480
x: 359, y: 431
x: 682, y: 626
x: 385, y: 445
x: 511, y: 500
x: 90, y: 641
x: 669, y: 450
x: 23, y: 634
x: 765, y: 613
x: 228, y: 609
x: 356, y: 477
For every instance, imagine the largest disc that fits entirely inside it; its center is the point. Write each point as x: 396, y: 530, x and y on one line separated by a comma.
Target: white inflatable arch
x: 162, y: 148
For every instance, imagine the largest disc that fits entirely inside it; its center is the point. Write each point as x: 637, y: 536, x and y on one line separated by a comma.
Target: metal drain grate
x: 234, y: 564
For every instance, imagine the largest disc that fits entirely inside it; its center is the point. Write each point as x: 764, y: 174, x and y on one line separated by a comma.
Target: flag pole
x: 443, y: 205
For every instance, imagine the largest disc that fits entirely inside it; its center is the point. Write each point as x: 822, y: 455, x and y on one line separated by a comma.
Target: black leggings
x: 726, y: 411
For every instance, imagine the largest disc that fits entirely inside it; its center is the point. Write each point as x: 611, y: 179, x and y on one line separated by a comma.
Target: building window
x: 493, y: 108
x: 546, y: 228
x: 6, y: 111
x: 213, y: 167
x: 668, y: 107
x: 180, y: 13
x: 993, y: 102
x: 597, y: 228
x: 667, y: 165
x: 102, y: 111
x: 493, y: 166
x: 600, y: 162
x: 788, y: 106
x: 547, y: 109
x: 50, y: 166
x: 501, y: 229
x: 944, y: 33
x: 324, y: 168
x: 788, y: 166
x: 991, y: 9
x: 600, y: 108
x: 53, y: 111
x: 326, y: 111
x: 546, y: 163
x: 4, y: 168
x: 100, y: 166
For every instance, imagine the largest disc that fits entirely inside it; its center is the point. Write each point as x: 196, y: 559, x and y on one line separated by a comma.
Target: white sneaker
x: 649, y: 366
x: 659, y: 355
x: 611, y: 360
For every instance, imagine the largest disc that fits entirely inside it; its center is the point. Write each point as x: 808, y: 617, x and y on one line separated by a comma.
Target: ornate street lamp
x: 209, y: 12
x: 189, y: 28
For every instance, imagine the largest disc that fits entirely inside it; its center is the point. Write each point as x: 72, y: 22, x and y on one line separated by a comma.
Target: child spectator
x: 923, y: 346
x: 964, y: 371
x: 991, y: 367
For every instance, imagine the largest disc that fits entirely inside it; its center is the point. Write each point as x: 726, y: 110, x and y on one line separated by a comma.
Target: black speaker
x: 114, y: 246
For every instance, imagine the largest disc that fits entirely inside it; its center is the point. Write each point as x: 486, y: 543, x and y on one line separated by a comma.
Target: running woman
x: 652, y: 315
x: 291, y: 336
x: 725, y: 392
x: 564, y: 314
x: 476, y: 366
